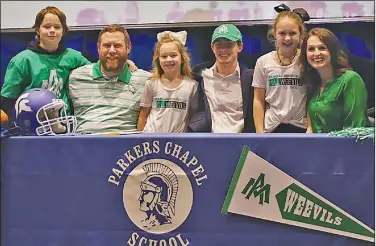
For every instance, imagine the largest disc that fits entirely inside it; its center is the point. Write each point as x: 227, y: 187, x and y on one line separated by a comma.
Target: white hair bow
x: 182, y: 35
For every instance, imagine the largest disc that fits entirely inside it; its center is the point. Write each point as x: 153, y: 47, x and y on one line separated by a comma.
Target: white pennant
x: 261, y: 190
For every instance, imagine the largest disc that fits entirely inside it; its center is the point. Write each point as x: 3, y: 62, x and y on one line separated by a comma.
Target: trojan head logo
x: 164, y: 196
x: 21, y: 104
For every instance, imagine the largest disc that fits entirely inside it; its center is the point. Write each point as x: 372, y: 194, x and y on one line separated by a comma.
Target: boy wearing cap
x: 225, y: 90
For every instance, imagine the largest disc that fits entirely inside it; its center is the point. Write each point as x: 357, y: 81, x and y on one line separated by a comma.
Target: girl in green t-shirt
x: 339, y: 97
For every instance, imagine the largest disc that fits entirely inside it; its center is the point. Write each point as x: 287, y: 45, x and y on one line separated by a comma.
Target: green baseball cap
x: 227, y: 31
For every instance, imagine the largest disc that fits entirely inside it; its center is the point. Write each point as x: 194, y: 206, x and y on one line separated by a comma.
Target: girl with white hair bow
x: 169, y: 96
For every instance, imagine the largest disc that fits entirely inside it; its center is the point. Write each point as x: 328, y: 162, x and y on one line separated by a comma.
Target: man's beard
x: 115, y: 65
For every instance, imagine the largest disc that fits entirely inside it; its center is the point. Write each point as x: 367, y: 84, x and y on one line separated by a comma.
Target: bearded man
x: 106, y: 95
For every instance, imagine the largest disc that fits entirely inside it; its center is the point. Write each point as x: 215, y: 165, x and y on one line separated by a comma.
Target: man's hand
x: 132, y: 65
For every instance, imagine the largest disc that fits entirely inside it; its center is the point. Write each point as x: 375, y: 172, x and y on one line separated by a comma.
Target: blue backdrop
x: 55, y: 191
x: 357, y: 38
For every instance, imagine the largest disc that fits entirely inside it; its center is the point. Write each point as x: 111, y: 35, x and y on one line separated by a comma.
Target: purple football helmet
x: 38, y: 112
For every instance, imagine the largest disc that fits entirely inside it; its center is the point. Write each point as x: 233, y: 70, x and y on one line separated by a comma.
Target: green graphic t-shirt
x: 30, y: 69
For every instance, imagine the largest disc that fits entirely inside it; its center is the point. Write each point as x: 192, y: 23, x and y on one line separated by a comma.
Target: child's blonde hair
x: 185, y: 70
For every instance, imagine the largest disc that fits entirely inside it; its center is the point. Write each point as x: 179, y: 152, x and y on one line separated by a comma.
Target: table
x: 100, y: 190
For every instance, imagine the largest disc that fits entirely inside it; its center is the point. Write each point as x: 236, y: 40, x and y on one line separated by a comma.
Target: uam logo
x: 165, y: 196
x: 223, y: 29
x: 158, y: 193
x: 54, y: 83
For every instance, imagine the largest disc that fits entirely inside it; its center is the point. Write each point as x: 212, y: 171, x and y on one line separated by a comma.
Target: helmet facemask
x: 53, y: 120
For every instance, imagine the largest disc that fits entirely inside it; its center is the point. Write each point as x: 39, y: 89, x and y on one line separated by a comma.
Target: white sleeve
x: 147, y: 96
x: 259, y: 77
